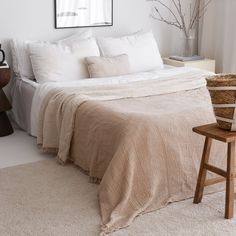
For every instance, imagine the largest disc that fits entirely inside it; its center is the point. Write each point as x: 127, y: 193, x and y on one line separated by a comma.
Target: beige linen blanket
x: 136, y: 138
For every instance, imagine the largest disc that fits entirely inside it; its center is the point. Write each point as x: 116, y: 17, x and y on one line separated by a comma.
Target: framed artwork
x: 83, y: 13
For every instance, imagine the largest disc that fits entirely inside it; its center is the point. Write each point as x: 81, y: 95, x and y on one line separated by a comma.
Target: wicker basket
x: 222, y: 90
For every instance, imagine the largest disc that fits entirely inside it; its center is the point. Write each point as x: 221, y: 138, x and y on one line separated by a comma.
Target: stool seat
x: 212, y: 131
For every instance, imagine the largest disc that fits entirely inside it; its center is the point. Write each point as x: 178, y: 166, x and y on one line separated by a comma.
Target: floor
x: 198, y: 220
x: 47, y: 199
x: 19, y: 148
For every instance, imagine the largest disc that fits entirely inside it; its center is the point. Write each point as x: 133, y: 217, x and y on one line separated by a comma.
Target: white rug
x: 44, y: 198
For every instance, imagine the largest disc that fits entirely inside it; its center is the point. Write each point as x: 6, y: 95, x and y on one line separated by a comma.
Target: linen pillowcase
x: 83, y: 49
x: 99, y: 67
x: 141, y: 49
x: 56, y: 62
x: 20, y: 53
x: 20, y: 59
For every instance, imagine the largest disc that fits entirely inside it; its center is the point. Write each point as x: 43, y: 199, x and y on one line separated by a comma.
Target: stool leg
x: 203, y: 171
x: 229, y: 203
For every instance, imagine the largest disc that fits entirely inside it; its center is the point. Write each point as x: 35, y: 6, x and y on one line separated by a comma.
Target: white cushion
x: 141, y: 48
x: 56, y: 62
x: 20, y: 53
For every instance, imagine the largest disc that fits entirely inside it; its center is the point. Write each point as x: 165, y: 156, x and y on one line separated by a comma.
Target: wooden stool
x: 212, y: 131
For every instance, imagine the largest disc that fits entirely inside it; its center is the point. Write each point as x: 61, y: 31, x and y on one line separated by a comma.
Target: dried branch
x: 172, y: 13
x: 190, y: 11
x: 161, y: 18
x: 200, y: 12
x: 179, y: 10
x: 177, y: 13
x: 196, y: 6
x: 182, y: 18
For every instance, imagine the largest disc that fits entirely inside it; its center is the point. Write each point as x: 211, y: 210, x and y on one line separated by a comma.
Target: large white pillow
x: 73, y: 39
x: 141, y: 48
x: 20, y: 53
x: 20, y: 58
x: 81, y: 50
x: 56, y: 62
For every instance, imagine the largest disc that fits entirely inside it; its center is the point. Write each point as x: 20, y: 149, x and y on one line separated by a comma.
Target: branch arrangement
x: 197, y: 11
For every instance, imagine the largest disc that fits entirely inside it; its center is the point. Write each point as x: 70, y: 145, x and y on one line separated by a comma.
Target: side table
x: 5, y: 125
x: 205, y: 64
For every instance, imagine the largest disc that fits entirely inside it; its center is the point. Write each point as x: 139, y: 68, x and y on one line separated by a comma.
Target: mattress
x: 22, y: 93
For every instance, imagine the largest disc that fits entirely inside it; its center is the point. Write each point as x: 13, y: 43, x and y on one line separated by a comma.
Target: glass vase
x: 188, y: 48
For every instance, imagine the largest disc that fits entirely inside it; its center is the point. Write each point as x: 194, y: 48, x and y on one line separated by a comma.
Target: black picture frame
x: 88, y: 26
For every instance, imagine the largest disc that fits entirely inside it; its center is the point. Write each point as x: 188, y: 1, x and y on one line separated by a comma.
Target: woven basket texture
x: 223, y: 97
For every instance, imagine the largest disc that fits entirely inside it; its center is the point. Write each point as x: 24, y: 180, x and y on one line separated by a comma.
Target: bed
x: 133, y: 134
x: 129, y: 128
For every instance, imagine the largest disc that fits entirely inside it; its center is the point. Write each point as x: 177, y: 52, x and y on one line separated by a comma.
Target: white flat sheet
x: 43, y: 89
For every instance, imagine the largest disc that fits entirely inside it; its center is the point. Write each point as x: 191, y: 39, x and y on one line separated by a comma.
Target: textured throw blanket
x: 136, y: 138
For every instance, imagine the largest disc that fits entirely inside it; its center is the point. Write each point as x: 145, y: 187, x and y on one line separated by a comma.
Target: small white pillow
x: 56, y: 62
x: 100, y: 67
x: 20, y: 59
x: 141, y: 49
x: 20, y: 53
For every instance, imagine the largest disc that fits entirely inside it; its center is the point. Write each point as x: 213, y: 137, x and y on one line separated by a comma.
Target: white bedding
x: 22, y: 92
x: 42, y: 90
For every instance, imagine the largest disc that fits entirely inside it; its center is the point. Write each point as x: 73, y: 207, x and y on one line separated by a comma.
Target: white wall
x: 218, y: 35
x: 34, y: 19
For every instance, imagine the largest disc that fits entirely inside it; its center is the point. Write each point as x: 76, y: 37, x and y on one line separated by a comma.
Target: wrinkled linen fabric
x: 135, y: 137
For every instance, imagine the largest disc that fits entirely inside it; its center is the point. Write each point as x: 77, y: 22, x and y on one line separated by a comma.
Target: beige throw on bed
x: 137, y: 138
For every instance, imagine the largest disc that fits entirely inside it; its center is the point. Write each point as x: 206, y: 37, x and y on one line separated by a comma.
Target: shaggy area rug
x: 45, y: 198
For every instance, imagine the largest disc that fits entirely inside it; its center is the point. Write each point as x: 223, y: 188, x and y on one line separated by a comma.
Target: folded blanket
x: 135, y: 137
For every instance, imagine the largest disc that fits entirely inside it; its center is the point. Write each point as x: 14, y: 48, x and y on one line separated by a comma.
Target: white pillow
x: 81, y: 50
x: 20, y: 58
x: 71, y: 40
x: 20, y: 53
x: 141, y: 48
x: 56, y: 62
